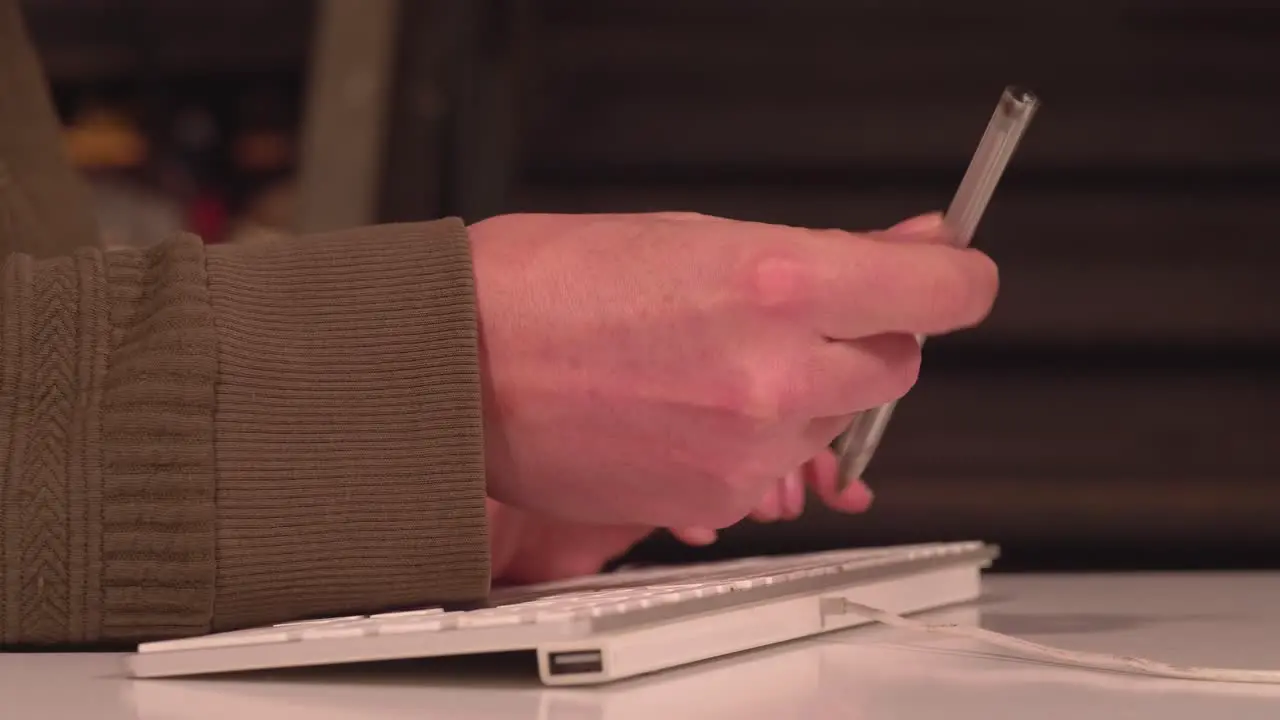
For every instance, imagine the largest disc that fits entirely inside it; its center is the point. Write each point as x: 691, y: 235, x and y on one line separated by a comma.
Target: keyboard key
x: 408, y: 614
x: 320, y: 621
x: 425, y: 623
x: 340, y: 630
x: 237, y: 638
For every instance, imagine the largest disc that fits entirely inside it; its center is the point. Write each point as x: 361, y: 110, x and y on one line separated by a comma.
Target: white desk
x: 867, y: 674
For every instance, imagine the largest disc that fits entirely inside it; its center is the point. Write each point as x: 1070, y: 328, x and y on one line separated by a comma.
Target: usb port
x: 576, y: 662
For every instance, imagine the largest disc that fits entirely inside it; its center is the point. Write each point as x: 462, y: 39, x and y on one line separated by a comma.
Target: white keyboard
x: 610, y: 626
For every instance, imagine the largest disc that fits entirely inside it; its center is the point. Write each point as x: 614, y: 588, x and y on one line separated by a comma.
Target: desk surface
x: 1230, y: 620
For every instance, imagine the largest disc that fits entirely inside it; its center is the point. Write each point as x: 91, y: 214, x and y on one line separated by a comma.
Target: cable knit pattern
x: 107, y: 494
x: 44, y: 385
x: 41, y: 500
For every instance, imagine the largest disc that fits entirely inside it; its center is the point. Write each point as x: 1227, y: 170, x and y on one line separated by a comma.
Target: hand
x: 533, y: 547
x: 785, y: 500
x: 666, y: 370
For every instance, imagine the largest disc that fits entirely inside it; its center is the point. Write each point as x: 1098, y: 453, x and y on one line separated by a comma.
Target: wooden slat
x: 865, y: 55
x: 830, y: 85
x: 1121, y: 515
x: 105, y: 40
x: 1080, y: 422
x: 633, y: 131
x: 1138, y: 302
x: 808, y: 10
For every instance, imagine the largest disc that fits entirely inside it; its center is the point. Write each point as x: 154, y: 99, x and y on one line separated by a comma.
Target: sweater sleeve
x: 196, y: 439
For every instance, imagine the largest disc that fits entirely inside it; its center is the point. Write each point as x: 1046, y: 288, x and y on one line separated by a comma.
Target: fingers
x: 786, y: 500
x: 555, y: 550
x: 783, y: 501
x: 821, y: 475
x: 922, y: 288
x: 907, y: 279
x: 846, y: 286
x: 841, y: 378
x: 697, y: 537
x: 818, y: 475
x: 769, y: 509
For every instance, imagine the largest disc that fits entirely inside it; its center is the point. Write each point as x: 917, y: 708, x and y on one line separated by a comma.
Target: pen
x: 857, y: 444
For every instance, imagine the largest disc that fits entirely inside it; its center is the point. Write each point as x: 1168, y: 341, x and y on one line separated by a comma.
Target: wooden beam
x: 352, y: 69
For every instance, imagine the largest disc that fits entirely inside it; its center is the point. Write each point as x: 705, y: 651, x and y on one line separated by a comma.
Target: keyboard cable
x: 1074, y: 658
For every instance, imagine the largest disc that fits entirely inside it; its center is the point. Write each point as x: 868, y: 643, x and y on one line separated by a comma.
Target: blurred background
x: 1119, y: 410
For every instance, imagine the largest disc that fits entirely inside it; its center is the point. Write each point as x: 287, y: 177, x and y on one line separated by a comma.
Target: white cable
x: 1075, y: 658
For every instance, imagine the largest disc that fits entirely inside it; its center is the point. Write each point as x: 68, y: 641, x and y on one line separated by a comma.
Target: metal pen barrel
x: 856, y: 445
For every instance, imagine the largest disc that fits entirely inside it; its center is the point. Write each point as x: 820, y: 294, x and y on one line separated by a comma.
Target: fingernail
x: 919, y: 224
x: 698, y: 536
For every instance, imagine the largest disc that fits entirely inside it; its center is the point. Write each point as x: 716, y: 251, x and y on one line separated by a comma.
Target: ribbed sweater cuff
x: 348, y: 429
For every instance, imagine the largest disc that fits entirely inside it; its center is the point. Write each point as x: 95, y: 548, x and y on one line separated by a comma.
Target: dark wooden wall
x: 128, y: 42
x: 1121, y: 406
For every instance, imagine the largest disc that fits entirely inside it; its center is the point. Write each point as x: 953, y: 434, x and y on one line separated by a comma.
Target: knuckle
x: 775, y: 281
x: 760, y: 393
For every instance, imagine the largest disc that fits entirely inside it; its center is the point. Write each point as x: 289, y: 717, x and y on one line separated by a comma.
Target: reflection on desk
x: 870, y: 673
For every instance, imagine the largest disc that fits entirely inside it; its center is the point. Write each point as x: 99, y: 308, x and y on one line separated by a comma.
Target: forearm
x: 197, y: 439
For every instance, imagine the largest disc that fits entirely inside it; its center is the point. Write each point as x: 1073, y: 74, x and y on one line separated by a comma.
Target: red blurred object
x: 207, y: 217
